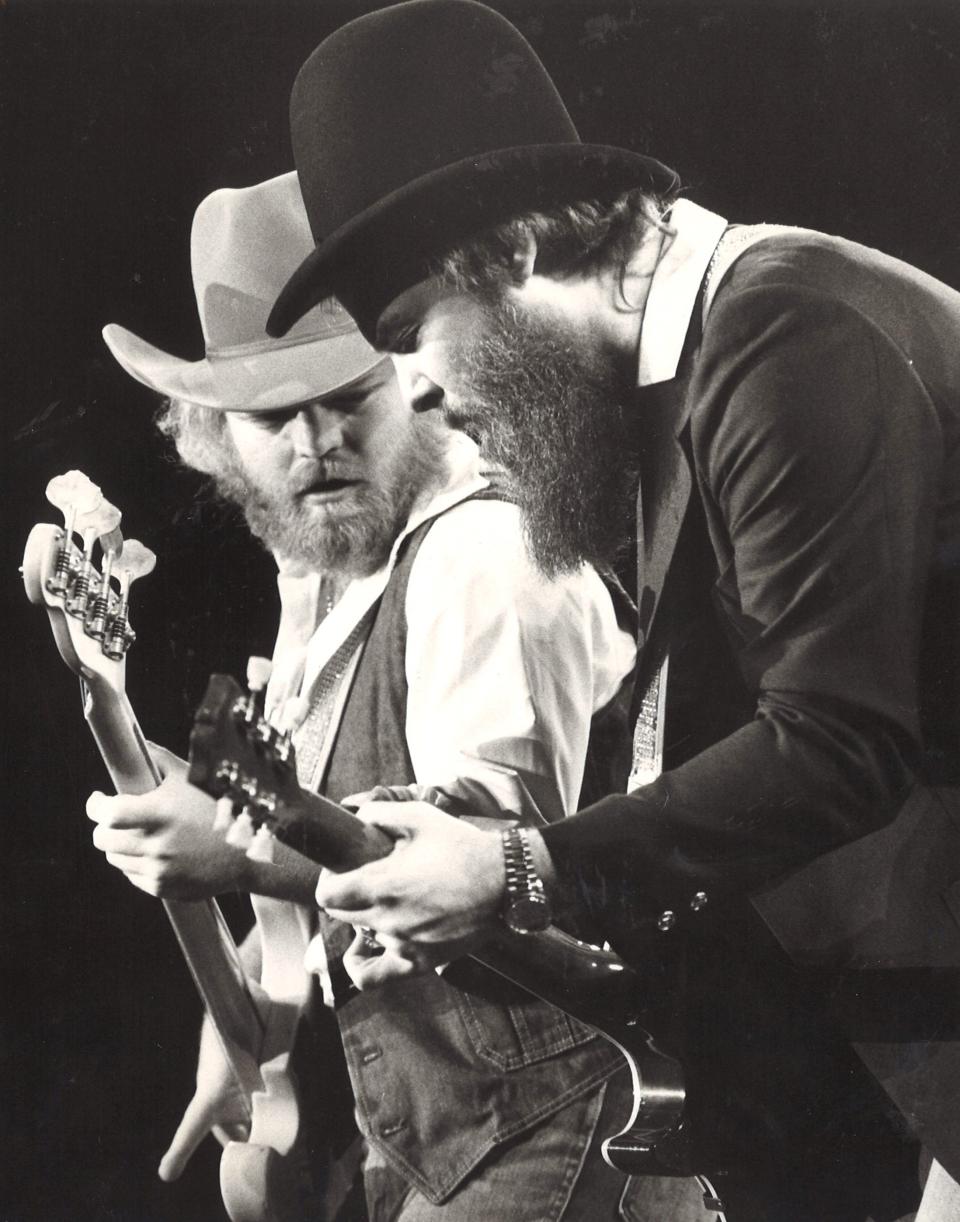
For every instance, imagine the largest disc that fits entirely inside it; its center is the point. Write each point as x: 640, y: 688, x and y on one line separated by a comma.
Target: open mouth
x: 329, y: 489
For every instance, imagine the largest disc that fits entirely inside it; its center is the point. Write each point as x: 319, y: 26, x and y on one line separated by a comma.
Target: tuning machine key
x: 95, y: 523
x: 263, y: 845
x: 99, y: 614
x: 132, y: 562
x: 74, y: 494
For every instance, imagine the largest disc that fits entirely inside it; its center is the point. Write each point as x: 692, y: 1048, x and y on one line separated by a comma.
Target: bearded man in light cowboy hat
x: 430, y: 653
x: 763, y: 426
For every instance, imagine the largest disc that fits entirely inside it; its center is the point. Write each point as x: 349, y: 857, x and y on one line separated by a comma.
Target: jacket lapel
x: 663, y: 495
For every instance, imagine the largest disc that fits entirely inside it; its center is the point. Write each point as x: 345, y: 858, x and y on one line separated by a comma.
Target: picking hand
x: 218, y: 1106
x: 434, y: 897
x: 369, y: 964
x: 164, y: 840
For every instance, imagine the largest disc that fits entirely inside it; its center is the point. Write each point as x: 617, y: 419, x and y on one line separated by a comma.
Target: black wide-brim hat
x: 418, y: 126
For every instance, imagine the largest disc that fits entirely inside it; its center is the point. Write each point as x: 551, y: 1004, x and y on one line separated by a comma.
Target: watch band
x: 527, y: 909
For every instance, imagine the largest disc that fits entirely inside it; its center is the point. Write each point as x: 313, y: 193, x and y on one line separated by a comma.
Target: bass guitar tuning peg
x: 73, y: 493
x: 133, y: 562
x: 93, y: 523
x: 111, y: 545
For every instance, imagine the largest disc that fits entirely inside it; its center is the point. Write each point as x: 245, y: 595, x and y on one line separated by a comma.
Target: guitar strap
x: 647, y: 759
x: 310, y: 738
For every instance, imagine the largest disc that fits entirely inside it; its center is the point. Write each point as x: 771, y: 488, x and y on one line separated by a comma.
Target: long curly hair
x: 203, y: 443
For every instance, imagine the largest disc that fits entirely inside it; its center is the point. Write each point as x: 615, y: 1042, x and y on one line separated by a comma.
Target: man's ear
x: 524, y: 258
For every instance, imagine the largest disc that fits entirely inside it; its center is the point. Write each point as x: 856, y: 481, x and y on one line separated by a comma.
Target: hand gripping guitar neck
x: 248, y: 764
x: 88, y: 606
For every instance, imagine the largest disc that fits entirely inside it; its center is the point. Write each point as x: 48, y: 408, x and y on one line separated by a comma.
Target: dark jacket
x: 799, y: 511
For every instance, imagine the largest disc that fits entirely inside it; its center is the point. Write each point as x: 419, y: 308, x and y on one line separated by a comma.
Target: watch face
x: 528, y: 914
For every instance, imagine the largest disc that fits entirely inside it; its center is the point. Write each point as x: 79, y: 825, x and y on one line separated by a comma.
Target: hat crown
x: 244, y: 244
x: 408, y: 90
x: 417, y: 127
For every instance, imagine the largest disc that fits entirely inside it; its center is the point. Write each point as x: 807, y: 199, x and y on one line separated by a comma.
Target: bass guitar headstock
x: 85, y: 587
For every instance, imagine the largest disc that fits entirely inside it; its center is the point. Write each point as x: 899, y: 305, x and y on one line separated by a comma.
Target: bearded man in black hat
x: 760, y: 428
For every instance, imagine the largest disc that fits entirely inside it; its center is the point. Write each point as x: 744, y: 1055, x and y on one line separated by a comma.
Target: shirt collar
x: 300, y: 590
x: 692, y: 237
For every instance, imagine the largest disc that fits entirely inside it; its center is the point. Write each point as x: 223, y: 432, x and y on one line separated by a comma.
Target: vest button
x: 666, y: 921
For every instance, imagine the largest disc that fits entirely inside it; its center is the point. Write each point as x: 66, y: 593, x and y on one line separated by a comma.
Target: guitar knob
x: 241, y: 834
x: 258, y: 673
x: 262, y: 846
x: 223, y: 819
x: 258, y: 676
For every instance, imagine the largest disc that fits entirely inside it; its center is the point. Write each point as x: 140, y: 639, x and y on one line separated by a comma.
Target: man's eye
x: 346, y: 405
x: 271, y: 421
x: 405, y: 342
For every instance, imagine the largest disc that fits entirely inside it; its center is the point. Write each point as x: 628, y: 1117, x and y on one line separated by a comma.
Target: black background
x: 117, y: 118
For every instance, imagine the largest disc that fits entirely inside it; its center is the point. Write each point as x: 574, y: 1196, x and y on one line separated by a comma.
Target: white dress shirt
x: 504, y: 668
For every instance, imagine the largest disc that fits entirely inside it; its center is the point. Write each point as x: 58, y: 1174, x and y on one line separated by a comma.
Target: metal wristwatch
x: 526, y: 907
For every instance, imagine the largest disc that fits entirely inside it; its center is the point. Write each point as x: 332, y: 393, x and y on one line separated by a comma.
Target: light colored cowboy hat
x: 244, y: 245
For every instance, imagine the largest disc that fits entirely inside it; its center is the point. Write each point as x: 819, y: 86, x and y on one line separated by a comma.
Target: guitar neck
x: 118, y: 736
x: 200, y: 928
x: 590, y: 983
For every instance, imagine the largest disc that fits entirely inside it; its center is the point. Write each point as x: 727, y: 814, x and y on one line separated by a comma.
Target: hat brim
x: 390, y: 242
x: 267, y: 379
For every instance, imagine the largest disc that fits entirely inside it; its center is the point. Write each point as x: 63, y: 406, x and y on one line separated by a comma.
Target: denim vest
x: 443, y: 1072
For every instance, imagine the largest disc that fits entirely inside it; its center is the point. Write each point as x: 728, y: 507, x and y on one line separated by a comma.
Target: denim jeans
x: 552, y: 1173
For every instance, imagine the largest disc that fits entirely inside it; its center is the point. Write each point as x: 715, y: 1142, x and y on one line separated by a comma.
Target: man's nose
x: 425, y: 394
x: 317, y: 431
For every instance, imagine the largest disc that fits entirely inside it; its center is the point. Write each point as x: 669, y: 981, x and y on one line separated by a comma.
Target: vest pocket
x: 519, y: 1033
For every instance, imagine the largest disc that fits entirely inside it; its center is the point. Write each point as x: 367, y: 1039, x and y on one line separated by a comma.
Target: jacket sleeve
x: 816, y: 454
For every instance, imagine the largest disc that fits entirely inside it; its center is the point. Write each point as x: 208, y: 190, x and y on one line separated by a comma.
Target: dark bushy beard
x: 351, y: 542
x: 557, y: 419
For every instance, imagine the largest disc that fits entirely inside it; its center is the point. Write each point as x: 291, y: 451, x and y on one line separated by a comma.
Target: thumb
x: 391, y: 818
x: 354, y: 800
x: 196, y: 1124
x: 403, y: 820
x: 166, y: 762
